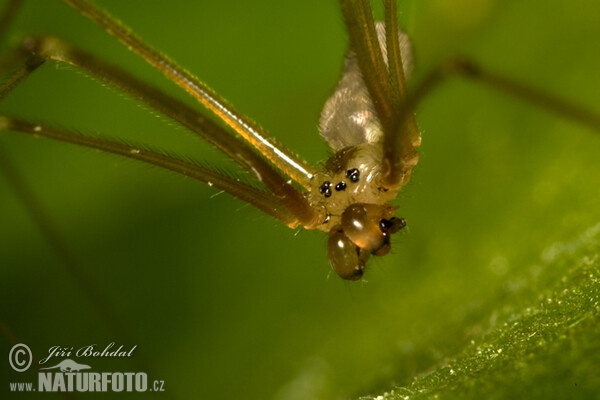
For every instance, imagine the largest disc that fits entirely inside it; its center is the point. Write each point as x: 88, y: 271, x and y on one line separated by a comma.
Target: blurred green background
x: 224, y: 302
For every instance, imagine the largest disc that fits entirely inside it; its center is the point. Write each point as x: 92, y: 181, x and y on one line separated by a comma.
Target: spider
x: 205, y: 235
x: 368, y: 122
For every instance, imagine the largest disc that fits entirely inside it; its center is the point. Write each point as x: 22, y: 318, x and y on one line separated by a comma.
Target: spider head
x: 365, y: 229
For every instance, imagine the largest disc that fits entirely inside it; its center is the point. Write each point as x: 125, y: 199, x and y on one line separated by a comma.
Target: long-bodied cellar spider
x: 238, y: 216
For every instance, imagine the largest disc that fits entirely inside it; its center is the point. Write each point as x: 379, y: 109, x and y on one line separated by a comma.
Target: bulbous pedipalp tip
x: 347, y: 259
x: 365, y: 229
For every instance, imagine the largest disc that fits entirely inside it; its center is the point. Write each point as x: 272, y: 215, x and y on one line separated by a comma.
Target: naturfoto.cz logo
x: 68, y: 375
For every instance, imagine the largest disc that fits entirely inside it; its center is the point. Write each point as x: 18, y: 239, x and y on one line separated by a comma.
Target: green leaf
x: 538, y: 340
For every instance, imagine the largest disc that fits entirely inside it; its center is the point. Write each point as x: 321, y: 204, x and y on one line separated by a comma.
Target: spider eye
x: 325, y: 189
x: 347, y: 260
x: 353, y: 174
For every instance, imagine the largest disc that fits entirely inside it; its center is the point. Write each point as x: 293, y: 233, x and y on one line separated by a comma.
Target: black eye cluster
x: 325, y: 189
x: 352, y: 174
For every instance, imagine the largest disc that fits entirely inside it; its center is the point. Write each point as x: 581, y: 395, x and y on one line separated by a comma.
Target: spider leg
x: 73, y: 264
x: 51, y: 48
x: 471, y: 70
x: 395, y: 105
x: 282, y: 158
x: 394, y: 55
x: 266, y: 202
x: 386, y: 85
x: 358, y: 17
x: 31, y: 203
x: 460, y: 66
x: 97, y: 298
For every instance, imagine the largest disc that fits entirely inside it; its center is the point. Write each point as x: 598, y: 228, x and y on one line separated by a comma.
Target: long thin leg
x: 73, y: 264
x: 281, y: 157
x: 401, y: 135
x: 469, y: 69
x: 394, y: 56
x: 400, y: 144
x: 33, y: 206
x: 55, y: 49
x: 386, y: 87
x: 363, y: 40
x: 30, y: 65
x: 265, y: 202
